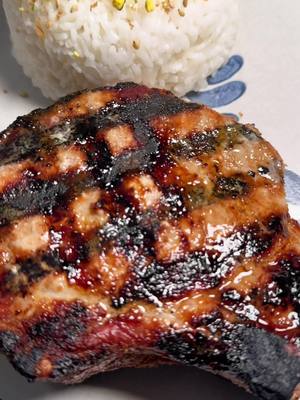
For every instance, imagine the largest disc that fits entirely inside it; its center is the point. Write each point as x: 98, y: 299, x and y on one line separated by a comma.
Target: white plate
x: 269, y: 44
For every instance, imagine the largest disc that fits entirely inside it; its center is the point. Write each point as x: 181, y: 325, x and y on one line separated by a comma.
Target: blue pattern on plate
x: 292, y: 187
x: 224, y: 94
x: 233, y: 65
x: 220, y: 95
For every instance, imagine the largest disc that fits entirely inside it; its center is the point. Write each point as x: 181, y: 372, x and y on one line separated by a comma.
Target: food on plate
x: 69, y: 45
x: 137, y: 230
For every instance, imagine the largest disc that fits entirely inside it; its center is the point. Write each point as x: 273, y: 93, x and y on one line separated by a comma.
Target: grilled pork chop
x: 138, y: 229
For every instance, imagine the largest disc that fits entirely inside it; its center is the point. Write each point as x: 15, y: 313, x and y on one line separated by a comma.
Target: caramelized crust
x: 138, y: 229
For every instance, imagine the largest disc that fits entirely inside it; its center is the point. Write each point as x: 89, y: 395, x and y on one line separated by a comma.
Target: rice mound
x: 68, y: 45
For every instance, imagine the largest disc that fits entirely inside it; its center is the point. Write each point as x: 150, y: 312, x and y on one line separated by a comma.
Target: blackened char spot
x: 275, y: 224
x: 263, y: 170
x: 181, y: 347
x: 263, y: 362
x: 63, y: 328
x: 32, y: 270
x: 8, y: 341
x: 153, y: 105
x: 23, y: 146
x: 196, y: 144
x: 230, y: 187
x: 132, y: 231
x: 156, y: 281
x: 99, y: 161
x: 107, y: 169
x: 84, y: 131
x: 202, y: 270
x: 26, y: 363
x: 31, y: 196
x: 193, y: 349
x: 126, y: 85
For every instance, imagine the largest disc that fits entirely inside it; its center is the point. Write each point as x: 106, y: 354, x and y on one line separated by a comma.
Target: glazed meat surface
x: 137, y: 229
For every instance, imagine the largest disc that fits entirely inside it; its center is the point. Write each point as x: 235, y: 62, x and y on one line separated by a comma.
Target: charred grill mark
x: 108, y: 168
x: 99, y: 162
x: 137, y: 114
x: 253, y: 242
x: 200, y: 270
x: 32, y: 270
x: 276, y: 224
x: 137, y: 160
x: 290, y: 268
x: 29, y: 197
x: 33, y: 195
x: 151, y: 106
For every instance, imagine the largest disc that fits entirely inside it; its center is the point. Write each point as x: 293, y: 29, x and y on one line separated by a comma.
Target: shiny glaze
x: 134, y: 228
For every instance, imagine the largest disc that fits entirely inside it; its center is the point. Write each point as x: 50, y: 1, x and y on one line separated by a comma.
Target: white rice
x: 67, y: 45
